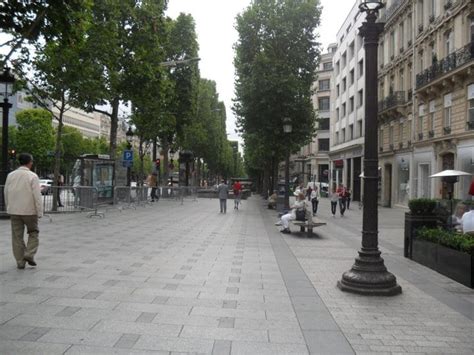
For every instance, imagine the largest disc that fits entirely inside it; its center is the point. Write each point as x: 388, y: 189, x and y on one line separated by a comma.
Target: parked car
x: 46, y: 186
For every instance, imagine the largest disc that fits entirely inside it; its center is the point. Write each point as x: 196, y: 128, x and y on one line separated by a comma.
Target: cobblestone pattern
x: 163, y: 279
x: 414, y: 322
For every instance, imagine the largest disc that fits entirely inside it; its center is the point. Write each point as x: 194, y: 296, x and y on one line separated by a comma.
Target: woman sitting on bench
x: 300, y: 206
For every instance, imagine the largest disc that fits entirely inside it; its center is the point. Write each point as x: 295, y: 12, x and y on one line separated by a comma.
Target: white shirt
x: 467, y: 221
x: 23, y: 193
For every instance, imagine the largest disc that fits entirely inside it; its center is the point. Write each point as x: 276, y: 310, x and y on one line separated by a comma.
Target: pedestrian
x: 309, y: 190
x: 152, y: 181
x: 315, y: 195
x: 467, y: 222
x: 24, y: 205
x: 60, y: 183
x: 348, y: 198
x: 298, y: 208
x: 341, y: 191
x: 223, y: 192
x: 272, y: 200
x: 334, y: 200
x: 237, y: 188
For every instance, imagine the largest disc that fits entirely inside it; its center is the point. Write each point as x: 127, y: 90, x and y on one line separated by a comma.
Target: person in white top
x: 24, y: 205
x: 300, y: 204
x: 315, y: 195
x: 467, y: 222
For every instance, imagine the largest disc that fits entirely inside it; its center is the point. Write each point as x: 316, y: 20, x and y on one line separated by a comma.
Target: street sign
x: 127, y: 160
x: 128, y: 155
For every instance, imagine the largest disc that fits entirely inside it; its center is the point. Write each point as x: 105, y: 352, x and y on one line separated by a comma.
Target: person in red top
x: 237, y: 187
x: 342, y: 192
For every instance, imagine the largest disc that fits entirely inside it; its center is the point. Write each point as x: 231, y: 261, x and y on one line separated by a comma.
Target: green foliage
x: 276, y: 57
x: 35, y: 135
x: 453, y: 240
x: 422, y: 206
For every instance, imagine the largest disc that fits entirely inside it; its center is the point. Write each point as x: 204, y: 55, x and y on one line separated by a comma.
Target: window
x: 344, y: 109
x: 390, y: 135
x: 401, y: 35
x: 351, y: 132
x: 431, y: 123
x: 351, y: 77
x: 421, y: 15
x: 327, y: 66
x: 337, y: 138
x: 343, y: 134
x: 323, y: 144
x: 351, y: 104
x: 324, y: 124
x: 351, y: 50
x: 420, y: 61
x: 392, y: 44
x: 361, y: 68
x: 433, y: 8
x: 381, y: 138
x: 421, y: 115
x: 323, y: 104
x: 360, y: 128
x: 401, y: 79
x: 343, y: 60
x: 409, y: 28
x: 344, y: 85
x: 324, y: 85
x: 447, y: 110
x: 434, y: 54
x: 360, y: 98
x: 337, y: 90
x: 470, y: 106
x: 337, y: 114
x: 337, y: 68
x: 449, y: 42
x: 471, y: 30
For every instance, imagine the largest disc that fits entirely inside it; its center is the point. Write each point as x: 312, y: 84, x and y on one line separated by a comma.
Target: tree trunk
x: 198, y: 172
x: 57, y: 158
x: 166, y: 168
x: 142, y: 166
x: 155, y: 146
x: 113, y: 128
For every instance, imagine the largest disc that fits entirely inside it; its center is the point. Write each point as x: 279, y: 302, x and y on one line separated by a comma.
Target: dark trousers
x: 342, y: 205
x: 153, y: 194
x: 315, y: 203
x: 348, y: 202
x: 333, y: 207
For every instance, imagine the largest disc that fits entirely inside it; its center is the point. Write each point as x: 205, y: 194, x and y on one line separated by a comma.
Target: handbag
x: 301, y: 215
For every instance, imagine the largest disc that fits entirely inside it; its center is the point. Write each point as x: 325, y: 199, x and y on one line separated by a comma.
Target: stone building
x: 313, y: 160
x: 426, y: 93
x: 347, y: 111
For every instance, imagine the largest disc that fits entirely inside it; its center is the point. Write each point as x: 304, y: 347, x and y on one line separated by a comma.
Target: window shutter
x: 448, y: 100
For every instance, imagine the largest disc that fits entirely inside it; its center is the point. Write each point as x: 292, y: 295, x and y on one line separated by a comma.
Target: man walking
x: 24, y: 205
x: 223, y: 191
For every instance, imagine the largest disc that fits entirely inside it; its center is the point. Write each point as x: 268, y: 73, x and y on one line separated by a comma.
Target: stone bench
x: 309, y: 225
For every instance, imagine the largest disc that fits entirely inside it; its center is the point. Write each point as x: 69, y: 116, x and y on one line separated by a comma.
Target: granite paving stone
x: 220, y: 284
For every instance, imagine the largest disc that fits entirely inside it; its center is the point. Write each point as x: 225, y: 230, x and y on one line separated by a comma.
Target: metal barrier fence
x: 180, y: 193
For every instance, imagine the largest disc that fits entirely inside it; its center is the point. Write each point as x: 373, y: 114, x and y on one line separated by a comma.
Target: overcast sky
x: 215, y: 20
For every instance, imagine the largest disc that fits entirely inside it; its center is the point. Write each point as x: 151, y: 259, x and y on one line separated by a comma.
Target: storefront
x: 402, y: 187
x: 465, y: 163
x: 422, y: 169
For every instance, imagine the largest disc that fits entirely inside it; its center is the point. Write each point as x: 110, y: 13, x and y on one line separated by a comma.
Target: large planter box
x: 452, y: 263
x: 412, y: 223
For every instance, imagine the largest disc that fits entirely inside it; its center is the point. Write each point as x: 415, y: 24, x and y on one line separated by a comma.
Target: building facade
x: 347, y: 112
x: 426, y: 93
x: 313, y: 159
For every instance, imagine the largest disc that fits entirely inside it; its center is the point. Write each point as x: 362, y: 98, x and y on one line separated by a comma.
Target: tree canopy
x: 276, y: 58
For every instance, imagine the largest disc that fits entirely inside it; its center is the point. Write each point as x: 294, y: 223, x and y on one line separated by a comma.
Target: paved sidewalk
x: 185, y: 279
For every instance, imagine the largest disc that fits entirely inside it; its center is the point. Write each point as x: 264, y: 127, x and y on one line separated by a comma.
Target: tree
x: 276, y: 59
x: 115, y: 42
x: 36, y: 136
x: 40, y: 21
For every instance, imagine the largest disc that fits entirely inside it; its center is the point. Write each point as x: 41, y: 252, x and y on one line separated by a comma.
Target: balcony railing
x: 393, y: 8
x: 397, y: 98
x: 445, y: 65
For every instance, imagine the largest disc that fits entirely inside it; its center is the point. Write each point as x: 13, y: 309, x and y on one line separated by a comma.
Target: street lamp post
x: 6, y: 84
x: 129, y: 136
x: 287, y: 128
x: 368, y: 275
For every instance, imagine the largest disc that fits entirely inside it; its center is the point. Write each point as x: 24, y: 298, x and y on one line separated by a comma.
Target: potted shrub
x: 421, y: 214
x: 451, y: 253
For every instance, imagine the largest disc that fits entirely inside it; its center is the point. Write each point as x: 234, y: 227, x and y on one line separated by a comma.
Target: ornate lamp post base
x: 369, y: 276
